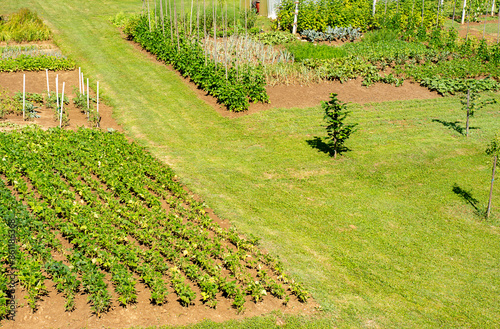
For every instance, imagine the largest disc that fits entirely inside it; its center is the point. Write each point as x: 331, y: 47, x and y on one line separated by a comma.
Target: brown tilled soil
x: 36, y: 82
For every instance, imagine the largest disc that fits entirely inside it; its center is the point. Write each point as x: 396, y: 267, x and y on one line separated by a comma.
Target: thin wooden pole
x: 80, y: 80
x: 191, y: 18
x: 498, y: 31
x: 97, y: 97
x: 176, y: 27
x: 437, y: 13
x: 171, y: 24
x: 83, y: 85
x: 24, y: 95
x: 88, y: 97
x: 57, y: 91
x: 161, y: 17
x: 62, y: 106
x: 48, y: 87
x: 491, y: 186
x: 149, y: 18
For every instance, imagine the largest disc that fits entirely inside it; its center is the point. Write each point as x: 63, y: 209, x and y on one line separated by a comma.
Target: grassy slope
x: 378, y: 236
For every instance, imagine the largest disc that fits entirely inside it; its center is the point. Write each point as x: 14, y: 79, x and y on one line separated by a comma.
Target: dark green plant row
x: 233, y: 86
x: 36, y: 63
x: 99, y: 192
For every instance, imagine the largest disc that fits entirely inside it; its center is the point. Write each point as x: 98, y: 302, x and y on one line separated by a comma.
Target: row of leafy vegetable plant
x: 232, y: 82
x: 124, y: 214
x: 33, y: 58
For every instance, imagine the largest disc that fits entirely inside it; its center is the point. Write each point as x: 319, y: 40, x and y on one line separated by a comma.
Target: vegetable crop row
x: 125, y: 215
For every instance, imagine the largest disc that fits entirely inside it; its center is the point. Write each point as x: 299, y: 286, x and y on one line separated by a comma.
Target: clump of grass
x: 23, y: 26
x: 306, y: 50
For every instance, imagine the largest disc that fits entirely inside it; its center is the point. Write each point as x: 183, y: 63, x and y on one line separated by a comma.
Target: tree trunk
x: 491, y: 186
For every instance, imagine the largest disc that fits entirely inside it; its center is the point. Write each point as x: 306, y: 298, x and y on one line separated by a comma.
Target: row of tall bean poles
x: 488, y: 7
x: 193, y: 22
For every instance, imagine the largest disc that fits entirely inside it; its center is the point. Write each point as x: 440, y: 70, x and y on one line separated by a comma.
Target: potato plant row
x: 127, y: 219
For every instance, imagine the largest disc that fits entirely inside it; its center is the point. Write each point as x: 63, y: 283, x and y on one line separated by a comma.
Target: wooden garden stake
x: 423, y: 6
x: 24, y: 94
x: 83, y: 85
x: 47, y: 75
x: 97, y: 97
x: 57, y: 91
x: 80, y: 80
x: 492, y: 7
x: 161, y: 17
x: 149, y: 18
x: 374, y: 5
x: 191, y: 18
x: 62, y: 107
x: 170, y: 18
x: 176, y: 28
x: 491, y: 186
x: 88, y: 97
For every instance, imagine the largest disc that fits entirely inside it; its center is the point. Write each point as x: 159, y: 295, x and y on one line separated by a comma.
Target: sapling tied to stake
x: 338, y: 131
x: 471, y: 102
x: 493, y: 150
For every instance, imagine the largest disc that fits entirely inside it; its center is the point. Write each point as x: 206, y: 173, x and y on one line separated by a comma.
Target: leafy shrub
x: 24, y: 25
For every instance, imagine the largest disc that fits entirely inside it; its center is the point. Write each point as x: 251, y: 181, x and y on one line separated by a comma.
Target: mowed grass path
x: 378, y: 236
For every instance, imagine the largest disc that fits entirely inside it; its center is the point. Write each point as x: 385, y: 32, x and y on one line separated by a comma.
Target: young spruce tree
x: 338, y: 131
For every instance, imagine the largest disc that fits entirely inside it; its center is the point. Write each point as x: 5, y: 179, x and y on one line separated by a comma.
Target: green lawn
x: 378, y: 236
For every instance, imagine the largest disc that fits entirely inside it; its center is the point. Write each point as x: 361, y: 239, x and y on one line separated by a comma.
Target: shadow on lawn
x: 467, y: 197
x: 319, y: 144
x: 454, y: 126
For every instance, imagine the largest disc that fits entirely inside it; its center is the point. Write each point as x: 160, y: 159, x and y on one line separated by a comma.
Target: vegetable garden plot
x: 128, y: 221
